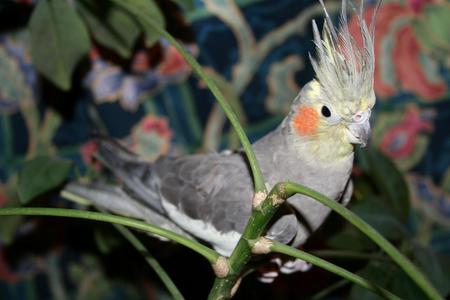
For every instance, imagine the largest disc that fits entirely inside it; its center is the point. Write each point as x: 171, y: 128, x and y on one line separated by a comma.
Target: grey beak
x: 358, y: 133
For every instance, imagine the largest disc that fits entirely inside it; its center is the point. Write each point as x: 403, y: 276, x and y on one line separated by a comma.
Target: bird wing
x: 114, y: 199
x: 207, y: 195
x: 136, y: 174
x: 214, y: 188
x: 347, y: 194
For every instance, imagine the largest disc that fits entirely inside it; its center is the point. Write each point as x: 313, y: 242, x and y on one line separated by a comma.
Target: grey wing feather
x: 114, y: 199
x: 215, y: 188
x: 284, y: 229
x: 136, y: 174
x: 348, y: 192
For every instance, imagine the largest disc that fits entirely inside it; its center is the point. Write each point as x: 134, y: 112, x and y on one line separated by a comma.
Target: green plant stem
x: 261, y: 215
x: 154, y: 264
x: 348, y: 254
x: 134, y: 241
x: 241, y: 253
x: 329, y: 289
x: 256, y: 171
x: 399, y: 258
x: 204, y: 251
x: 287, y: 250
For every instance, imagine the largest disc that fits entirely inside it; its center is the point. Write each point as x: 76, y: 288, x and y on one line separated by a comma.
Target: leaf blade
x: 150, y: 10
x: 387, y: 178
x: 110, y: 25
x: 40, y: 175
x: 58, y: 41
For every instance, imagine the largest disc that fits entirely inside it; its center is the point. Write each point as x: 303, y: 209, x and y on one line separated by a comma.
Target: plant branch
x: 134, y: 241
x: 260, y: 218
x: 349, y: 254
x: 204, y: 251
x: 256, y: 171
x: 329, y: 289
x: 287, y: 250
x: 369, y: 231
x: 223, y: 288
x: 154, y: 264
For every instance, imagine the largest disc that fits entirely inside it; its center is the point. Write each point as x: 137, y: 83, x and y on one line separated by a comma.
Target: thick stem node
x: 277, y: 200
x: 221, y: 267
x: 258, y: 198
x: 236, y: 287
x: 262, y: 246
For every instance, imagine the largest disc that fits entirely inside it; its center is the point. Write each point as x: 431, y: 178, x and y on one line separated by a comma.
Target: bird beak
x: 358, y: 132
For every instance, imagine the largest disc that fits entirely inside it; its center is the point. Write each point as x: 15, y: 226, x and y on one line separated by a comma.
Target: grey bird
x: 209, y: 196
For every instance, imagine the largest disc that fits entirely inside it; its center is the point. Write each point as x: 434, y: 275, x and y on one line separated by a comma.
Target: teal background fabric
x: 257, y: 51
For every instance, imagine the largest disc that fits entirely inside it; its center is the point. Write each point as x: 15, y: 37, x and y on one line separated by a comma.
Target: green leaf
x: 110, y: 25
x: 387, y: 178
x: 438, y: 21
x: 9, y: 226
x: 376, y: 272
x: 382, y: 217
x: 432, y: 29
x: 389, y: 277
x: 403, y: 286
x: 153, y: 14
x: 435, y: 266
x: 186, y: 5
x: 58, y: 40
x: 395, y: 280
x: 362, y: 187
x: 351, y: 239
x: 40, y: 175
x: 106, y: 241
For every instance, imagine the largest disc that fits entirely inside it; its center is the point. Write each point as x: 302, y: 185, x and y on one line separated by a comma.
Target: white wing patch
x: 223, y: 243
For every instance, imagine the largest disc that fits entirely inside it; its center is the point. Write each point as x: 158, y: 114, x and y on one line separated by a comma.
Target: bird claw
x: 268, y: 277
x: 293, y: 266
x: 269, y: 273
x: 286, y: 267
x: 277, y: 261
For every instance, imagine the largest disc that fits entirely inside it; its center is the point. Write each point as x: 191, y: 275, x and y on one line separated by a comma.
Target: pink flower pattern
x: 400, y: 141
x: 399, y: 58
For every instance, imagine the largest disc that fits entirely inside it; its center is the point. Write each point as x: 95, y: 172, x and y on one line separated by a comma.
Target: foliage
x: 40, y: 175
x: 433, y: 29
x: 382, y: 199
x: 112, y: 28
x: 68, y: 26
x: 67, y: 41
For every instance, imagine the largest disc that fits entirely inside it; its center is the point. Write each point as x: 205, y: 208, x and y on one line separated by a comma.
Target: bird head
x: 331, y: 114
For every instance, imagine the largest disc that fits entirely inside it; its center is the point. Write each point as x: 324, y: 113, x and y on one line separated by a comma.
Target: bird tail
x: 136, y: 174
x: 114, y: 199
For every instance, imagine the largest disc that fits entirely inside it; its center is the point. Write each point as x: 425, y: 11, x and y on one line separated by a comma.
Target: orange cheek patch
x: 306, y: 121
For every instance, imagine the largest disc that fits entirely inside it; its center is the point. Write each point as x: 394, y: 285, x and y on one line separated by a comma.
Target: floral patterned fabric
x: 258, y: 55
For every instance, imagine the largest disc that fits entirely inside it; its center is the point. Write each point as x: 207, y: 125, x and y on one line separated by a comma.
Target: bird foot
x: 268, y: 277
x: 296, y: 265
x: 268, y: 274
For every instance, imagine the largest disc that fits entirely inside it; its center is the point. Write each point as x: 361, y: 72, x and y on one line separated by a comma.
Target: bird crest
x: 344, y: 69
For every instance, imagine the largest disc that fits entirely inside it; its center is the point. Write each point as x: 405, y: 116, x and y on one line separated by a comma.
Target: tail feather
x: 135, y: 173
x: 114, y: 199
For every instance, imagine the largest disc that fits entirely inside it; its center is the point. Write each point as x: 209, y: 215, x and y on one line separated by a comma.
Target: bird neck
x: 284, y: 144
x: 324, y: 150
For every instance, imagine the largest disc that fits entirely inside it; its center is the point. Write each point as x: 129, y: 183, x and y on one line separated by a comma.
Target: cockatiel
x: 209, y: 196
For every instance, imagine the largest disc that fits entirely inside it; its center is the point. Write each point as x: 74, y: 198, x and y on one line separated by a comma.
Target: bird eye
x: 326, y: 111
